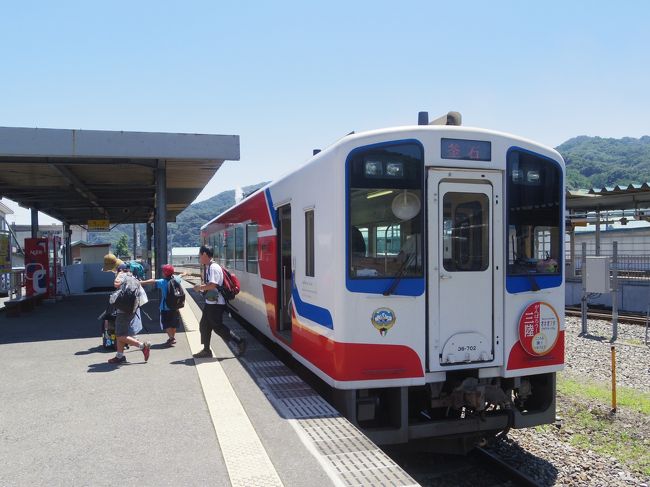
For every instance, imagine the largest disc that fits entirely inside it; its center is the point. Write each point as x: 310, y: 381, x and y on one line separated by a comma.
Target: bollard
x: 613, y: 348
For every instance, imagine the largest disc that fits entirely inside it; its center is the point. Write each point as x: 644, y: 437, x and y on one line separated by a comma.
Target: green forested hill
x: 183, y: 233
x: 598, y: 162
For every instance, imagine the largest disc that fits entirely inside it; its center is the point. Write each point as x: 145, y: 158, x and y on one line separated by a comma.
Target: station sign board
x: 99, y: 225
x: 5, y: 253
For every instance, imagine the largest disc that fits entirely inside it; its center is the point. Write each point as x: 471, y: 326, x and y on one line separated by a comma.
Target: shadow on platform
x: 73, y: 317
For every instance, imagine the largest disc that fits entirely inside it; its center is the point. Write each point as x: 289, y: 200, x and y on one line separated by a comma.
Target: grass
x: 585, y: 409
x: 625, y: 397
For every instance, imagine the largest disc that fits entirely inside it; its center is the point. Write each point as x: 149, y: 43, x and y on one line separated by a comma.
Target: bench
x: 14, y: 307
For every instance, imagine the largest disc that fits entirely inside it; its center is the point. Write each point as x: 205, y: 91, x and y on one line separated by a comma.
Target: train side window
x: 219, y: 249
x: 239, y: 249
x: 229, y: 249
x: 251, y: 248
x: 534, y: 205
x: 385, y: 215
x: 309, y: 244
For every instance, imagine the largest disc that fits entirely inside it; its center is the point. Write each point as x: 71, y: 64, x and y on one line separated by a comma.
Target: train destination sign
x: 466, y: 150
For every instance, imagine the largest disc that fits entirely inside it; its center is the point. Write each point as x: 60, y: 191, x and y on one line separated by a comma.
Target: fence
x: 632, y: 258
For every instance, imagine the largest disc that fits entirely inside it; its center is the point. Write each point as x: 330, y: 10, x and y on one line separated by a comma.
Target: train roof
x: 353, y: 137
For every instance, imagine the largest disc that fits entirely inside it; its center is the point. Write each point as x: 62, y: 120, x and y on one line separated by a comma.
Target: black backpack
x: 127, y: 295
x: 175, y: 297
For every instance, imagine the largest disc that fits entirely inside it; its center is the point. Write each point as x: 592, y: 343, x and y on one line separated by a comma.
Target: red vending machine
x: 37, y: 266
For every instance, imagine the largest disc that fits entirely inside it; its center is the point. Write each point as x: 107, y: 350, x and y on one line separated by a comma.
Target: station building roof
x: 80, y: 175
x: 619, y: 197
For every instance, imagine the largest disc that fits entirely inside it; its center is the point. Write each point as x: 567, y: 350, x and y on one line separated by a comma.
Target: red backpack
x: 230, y: 288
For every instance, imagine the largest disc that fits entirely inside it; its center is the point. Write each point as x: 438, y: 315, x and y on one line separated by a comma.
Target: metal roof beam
x: 79, y: 186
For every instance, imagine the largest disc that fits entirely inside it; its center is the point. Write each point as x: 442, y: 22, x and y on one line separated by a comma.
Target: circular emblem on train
x: 383, y: 319
x: 539, y: 328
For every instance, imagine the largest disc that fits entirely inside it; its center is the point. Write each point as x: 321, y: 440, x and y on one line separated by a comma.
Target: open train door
x: 465, y: 290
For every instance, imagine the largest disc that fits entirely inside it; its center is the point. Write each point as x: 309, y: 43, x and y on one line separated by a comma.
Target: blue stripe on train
x: 310, y: 311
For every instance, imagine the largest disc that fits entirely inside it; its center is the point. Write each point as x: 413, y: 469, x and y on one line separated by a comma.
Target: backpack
x: 126, y: 297
x: 136, y: 269
x: 175, y: 297
x: 230, y: 288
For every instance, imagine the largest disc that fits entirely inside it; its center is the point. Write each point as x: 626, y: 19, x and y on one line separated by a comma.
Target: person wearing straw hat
x: 127, y: 325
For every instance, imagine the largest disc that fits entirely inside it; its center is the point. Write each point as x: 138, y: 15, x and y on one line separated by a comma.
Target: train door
x: 462, y: 293
x: 284, y: 274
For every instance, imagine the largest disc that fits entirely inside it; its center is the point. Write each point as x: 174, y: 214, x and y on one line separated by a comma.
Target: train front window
x: 534, y: 198
x: 385, y: 218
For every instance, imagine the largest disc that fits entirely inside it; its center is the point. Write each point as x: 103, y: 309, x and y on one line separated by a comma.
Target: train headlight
x: 395, y: 169
x: 532, y: 177
x: 374, y: 168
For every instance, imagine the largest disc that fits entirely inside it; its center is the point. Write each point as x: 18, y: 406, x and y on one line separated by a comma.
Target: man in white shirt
x: 215, y: 306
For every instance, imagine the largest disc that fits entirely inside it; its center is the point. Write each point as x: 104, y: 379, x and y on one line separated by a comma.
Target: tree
x: 122, y: 246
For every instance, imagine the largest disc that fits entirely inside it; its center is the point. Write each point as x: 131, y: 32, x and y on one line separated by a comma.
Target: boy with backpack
x: 127, y: 300
x: 215, y: 306
x: 172, y: 298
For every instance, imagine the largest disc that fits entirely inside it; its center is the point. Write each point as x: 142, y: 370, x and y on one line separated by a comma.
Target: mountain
x: 598, y: 162
x: 183, y: 233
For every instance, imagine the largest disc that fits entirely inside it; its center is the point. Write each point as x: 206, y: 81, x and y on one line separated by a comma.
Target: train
x: 418, y: 272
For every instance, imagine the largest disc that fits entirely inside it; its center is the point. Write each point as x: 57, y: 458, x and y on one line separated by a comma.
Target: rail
x: 505, y: 469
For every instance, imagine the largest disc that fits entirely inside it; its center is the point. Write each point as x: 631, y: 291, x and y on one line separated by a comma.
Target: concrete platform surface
x: 67, y: 417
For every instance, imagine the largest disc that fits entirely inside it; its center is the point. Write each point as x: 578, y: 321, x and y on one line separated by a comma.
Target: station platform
x: 67, y: 417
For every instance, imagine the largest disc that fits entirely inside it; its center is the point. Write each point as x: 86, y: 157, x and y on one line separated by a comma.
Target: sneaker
x: 241, y: 347
x: 117, y: 360
x: 146, y: 350
x: 203, y: 354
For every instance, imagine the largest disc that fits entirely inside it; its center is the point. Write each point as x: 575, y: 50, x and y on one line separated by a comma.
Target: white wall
x: 93, y: 255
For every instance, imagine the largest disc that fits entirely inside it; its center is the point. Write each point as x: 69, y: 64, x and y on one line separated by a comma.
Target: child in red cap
x: 169, y: 318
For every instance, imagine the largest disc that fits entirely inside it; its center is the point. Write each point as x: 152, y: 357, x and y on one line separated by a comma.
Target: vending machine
x: 37, y: 266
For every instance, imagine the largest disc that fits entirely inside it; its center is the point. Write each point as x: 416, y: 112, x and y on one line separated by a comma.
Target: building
x: 185, y: 256
x: 85, y: 253
x: 22, y: 232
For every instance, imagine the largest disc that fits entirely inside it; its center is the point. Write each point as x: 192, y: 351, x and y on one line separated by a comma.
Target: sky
x: 289, y: 77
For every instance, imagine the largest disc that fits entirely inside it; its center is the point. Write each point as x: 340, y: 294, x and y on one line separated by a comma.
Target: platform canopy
x: 81, y: 175
x: 619, y: 197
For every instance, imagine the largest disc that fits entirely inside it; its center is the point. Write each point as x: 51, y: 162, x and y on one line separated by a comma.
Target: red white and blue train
x: 416, y: 270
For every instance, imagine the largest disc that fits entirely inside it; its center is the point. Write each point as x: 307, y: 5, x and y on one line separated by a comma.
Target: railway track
x: 494, y: 462
x: 606, y: 316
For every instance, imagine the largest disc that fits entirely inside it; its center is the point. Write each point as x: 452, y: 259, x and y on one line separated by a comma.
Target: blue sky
x: 289, y: 77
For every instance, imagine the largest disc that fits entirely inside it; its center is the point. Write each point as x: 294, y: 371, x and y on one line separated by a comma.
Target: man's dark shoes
x: 203, y: 354
x: 241, y: 347
x: 170, y: 342
x: 117, y: 360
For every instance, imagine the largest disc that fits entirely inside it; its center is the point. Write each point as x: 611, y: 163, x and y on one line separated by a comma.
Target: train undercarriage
x: 451, y: 416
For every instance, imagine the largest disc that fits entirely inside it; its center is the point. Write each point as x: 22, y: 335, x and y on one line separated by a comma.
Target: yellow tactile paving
x: 246, y: 459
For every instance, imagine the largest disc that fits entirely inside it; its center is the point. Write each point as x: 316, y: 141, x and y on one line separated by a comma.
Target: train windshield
x: 386, y: 212
x: 534, y: 198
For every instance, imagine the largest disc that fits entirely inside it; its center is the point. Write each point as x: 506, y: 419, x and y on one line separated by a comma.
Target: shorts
x: 170, y: 318
x: 127, y: 324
